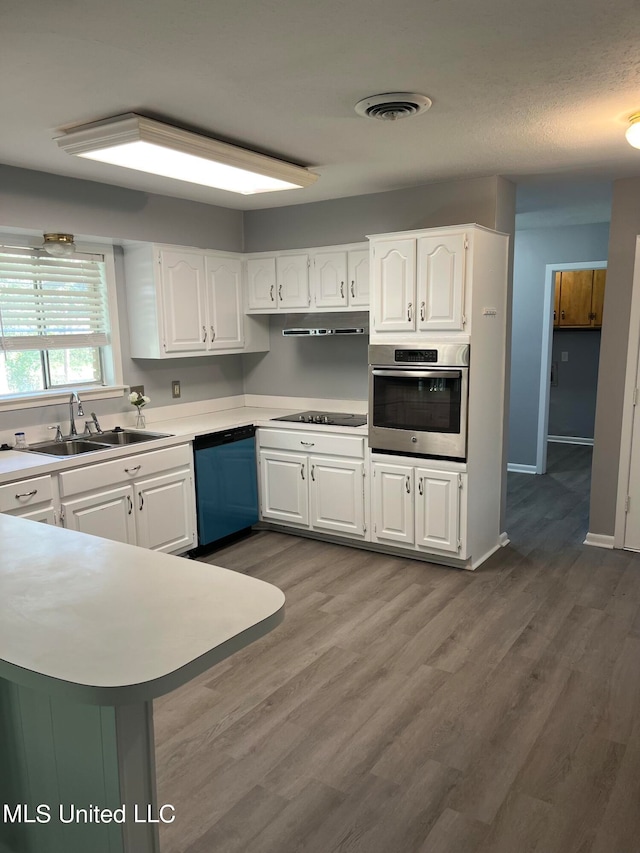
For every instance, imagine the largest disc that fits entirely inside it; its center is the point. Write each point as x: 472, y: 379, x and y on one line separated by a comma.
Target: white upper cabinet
x: 292, y: 277
x: 440, y: 282
x: 333, y: 278
x: 358, y: 277
x: 330, y: 279
x: 419, y: 282
x: 224, y: 302
x: 188, y: 302
x: 182, y: 280
x: 261, y: 284
x: 394, y: 285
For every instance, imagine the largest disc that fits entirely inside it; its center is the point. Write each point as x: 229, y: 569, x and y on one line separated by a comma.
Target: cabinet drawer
x: 124, y: 469
x: 332, y: 444
x: 25, y: 493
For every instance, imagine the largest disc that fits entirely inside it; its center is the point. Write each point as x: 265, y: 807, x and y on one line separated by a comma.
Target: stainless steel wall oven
x: 418, y: 396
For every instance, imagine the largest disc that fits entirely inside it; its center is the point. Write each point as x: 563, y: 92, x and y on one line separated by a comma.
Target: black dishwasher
x: 226, y: 484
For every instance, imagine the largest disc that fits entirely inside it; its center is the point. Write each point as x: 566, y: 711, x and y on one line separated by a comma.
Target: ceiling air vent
x: 393, y: 106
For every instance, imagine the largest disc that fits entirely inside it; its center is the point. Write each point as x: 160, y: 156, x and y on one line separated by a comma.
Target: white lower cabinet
x: 418, y: 507
x: 107, y: 513
x: 32, y: 498
x: 147, y: 499
x: 283, y: 487
x: 308, y: 490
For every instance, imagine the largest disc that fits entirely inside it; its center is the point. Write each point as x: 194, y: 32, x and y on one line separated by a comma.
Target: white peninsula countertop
x: 100, y: 622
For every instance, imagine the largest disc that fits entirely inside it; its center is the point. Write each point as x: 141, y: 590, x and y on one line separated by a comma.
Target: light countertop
x: 15, y: 465
x: 102, y: 622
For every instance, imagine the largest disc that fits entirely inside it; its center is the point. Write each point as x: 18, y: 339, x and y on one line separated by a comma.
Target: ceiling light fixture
x: 633, y: 131
x: 59, y: 245
x: 140, y: 143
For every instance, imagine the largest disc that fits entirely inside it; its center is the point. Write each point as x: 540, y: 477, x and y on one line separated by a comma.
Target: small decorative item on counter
x: 21, y: 440
x: 139, y: 401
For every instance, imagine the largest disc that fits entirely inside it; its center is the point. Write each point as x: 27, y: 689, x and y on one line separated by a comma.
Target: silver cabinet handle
x: 423, y: 307
x: 342, y: 289
x: 141, y: 504
x: 204, y: 334
x: 313, y: 476
x: 308, y: 443
x: 407, y: 484
x: 280, y: 292
x: 409, y: 307
x: 421, y: 486
x: 26, y: 494
x: 213, y: 334
x: 353, y: 288
x: 302, y: 471
x: 271, y: 293
x: 132, y: 470
x: 130, y: 502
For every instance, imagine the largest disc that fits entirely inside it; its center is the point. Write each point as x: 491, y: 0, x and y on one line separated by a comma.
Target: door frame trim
x: 545, y: 359
x: 631, y: 371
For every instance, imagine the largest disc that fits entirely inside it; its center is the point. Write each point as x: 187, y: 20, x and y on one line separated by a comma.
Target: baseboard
x: 570, y: 439
x: 516, y: 468
x: 599, y: 540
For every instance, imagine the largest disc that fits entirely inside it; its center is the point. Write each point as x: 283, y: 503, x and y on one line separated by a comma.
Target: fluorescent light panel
x: 146, y: 145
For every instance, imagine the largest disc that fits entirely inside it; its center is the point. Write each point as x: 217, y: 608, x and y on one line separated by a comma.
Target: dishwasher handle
x: 227, y: 436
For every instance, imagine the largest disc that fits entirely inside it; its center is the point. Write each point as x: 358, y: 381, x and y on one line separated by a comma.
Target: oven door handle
x: 419, y: 374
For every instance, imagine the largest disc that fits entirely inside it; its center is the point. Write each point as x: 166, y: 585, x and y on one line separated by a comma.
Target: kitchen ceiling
x: 519, y: 89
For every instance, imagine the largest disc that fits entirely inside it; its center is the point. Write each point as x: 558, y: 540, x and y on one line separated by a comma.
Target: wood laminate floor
x: 406, y: 708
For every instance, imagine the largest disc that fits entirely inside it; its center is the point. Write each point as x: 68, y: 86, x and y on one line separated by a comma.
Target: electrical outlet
x: 175, y: 388
x: 138, y: 388
x: 564, y: 356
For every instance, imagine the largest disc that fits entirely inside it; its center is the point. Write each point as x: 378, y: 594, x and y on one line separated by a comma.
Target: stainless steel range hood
x: 340, y: 323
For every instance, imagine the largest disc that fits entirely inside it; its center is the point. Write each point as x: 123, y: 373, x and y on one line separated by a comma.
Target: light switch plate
x: 138, y: 388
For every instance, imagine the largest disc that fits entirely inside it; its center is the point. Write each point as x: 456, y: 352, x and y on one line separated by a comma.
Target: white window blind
x: 52, y: 303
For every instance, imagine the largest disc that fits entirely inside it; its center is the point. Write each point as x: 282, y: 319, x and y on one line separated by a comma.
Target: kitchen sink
x: 93, y: 443
x: 122, y: 436
x: 70, y: 447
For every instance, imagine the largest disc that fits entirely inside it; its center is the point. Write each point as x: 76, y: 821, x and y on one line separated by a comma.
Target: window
x: 54, y: 322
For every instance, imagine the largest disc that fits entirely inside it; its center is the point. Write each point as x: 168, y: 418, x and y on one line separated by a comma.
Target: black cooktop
x: 330, y: 418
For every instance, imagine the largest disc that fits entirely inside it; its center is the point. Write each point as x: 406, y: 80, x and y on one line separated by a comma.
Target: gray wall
x: 350, y: 220
x: 572, y: 402
x: 534, y: 249
x: 338, y: 369
x: 40, y: 202
x: 328, y: 368
x: 625, y: 226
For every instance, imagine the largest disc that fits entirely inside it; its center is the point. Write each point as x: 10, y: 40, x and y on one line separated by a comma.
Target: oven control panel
x: 416, y: 356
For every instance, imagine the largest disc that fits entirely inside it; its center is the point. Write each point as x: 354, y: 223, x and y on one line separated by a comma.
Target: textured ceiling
x: 519, y: 89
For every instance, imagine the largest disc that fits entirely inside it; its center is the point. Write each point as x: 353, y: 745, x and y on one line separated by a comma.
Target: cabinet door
x: 337, y: 495
x: 43, y: 514
x: 597, y: 297
x: 441, y: 266
x: 575, y: 298
x: 293, y: 281
x: 437, y: 509
x: 182, y: 279
x: 164, y: 512
x: 394, y: 286
x: 393, y: 510
x: 284, y: 489
x: 556, y: 299
x: 224, y: 302
x: 108, y: 513
x: 261, y: 284
x: 330, y: 279
x: 358, y: 277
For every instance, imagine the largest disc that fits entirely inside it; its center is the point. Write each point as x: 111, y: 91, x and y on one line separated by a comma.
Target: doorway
x: 547, y: 356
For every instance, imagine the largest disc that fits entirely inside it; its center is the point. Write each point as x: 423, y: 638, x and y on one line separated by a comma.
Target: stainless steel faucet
x: 72, y: 424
